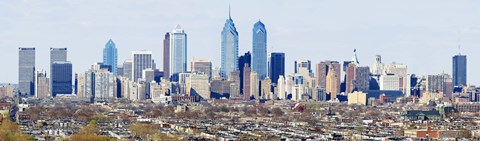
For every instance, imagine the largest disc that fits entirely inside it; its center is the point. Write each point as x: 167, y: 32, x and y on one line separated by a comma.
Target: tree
x: 277, y: 112
x: 89, y: 133
x: 143, y: 130
x: 10, y: 131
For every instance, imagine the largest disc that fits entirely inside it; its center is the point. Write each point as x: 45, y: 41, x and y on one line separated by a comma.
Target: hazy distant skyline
x: 420, y: 34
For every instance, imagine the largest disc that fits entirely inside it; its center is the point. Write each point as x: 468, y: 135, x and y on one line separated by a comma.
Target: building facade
x: 61, y: 78
x: 229, y: 49
x: 178, y: 51
x: 259, y: 60
x: 141, y: 60
x: 277, y: 66
x: 459, y: 69
x: 26, y: 71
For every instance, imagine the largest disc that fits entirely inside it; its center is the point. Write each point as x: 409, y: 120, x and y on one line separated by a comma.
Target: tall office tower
x: 459, y: 70
x: 242, y: 60
x: 332, y: 81
x: 110, y: 56
x: 448, y: 87
x: 56, y: 54
x: 141, y: 60
x: 246, y: 82
x: 202, y: 66
x: 399, y: 70
x: 362, y: 78
x: 229, y: 48
x: 377, y: 68
x: 26, y: 71
x: 254, y: 86
x: 323, y: 69
x: 41, y: 84
x: 166, y: 57
x: 128, y: 69
x: 277, y: 66
x: 178, y: 51
x: 198, y: 84
x: 281, y: 86
x: 105, y: 85
x: 61, y: 78
x: 259, y: 60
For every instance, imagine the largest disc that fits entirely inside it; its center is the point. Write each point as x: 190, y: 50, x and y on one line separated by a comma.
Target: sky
x: 421, y: 34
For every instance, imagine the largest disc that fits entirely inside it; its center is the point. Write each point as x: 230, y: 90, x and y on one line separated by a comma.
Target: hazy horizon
x: 421, y: 34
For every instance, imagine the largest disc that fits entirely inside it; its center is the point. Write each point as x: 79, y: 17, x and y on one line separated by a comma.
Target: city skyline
x: 447, y: 42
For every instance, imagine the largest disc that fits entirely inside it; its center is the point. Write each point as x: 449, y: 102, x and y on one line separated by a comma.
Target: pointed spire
x: 354, y: 58
x: 229, y: 16
x: 178, y: 26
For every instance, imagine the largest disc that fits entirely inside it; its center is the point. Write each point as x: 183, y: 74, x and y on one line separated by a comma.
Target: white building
x: 389, y: 82
x: 198, y: 84
x: 141, y: 61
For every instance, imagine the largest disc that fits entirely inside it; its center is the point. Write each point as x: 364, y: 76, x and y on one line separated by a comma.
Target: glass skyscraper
x: 229, y: 48
x: 26, y: 71
x: 56, y: 55
x: 178, y: 51
x: 110, y: 56
x: 277, y: 66
x: 459, y: 70
x: 259, y: 60
x: 61, y: 78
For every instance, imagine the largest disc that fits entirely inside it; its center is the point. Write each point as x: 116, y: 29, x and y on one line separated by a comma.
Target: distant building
x: 110, y: 56
x: 198, y: 84
x: 178, y: 51
x: 229, y: 49
x: 266, y: 89
x: 148, y: 75
x: 141, y: 60
x: 246, y: 84
x: 459, y: 70
x: 61, y: 78
x: 362, y: 79
x: 358, y: 98
x: 42, y: 84
x: 259, y: 60
x: 280, y: 89
x: 244, y: 60
x: 202, y: 66
x: 128, y: 69
x: 389, y: 82
x: 323, y: 69
x: 277, y: 66
x: 377, y: 68
x: 26, y: 71
x: 254, y: 85
x: 105, y: 86
x: 166, y: 56
x: 332, y: 86
x: 56, y: 54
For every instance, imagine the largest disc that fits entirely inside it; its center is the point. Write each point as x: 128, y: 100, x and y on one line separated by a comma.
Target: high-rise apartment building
x: 26, y: 71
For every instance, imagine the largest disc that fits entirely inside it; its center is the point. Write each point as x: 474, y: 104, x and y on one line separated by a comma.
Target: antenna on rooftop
x: 459, y: 43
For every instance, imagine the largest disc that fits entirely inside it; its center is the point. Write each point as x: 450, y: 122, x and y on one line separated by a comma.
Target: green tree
x: 10, y: 131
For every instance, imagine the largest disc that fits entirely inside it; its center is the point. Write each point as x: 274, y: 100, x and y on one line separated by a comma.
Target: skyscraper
x: 259, y: 60
x: 110, y: 56
x: 459, y: 69
x: 362, y: 78
x: 61, y: 78
x: 242, y: 60
x: 141, y: 60
x: 323, y: 69
x: 166, y: 56
x: 26, y: 71
x: 56, y: 54
x: 246, y: 82
x: 229, y: 48
x: 178, y: 51
x: 277, y: 66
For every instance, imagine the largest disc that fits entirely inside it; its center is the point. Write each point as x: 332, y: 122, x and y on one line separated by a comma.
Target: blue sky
x: 422, y: 34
